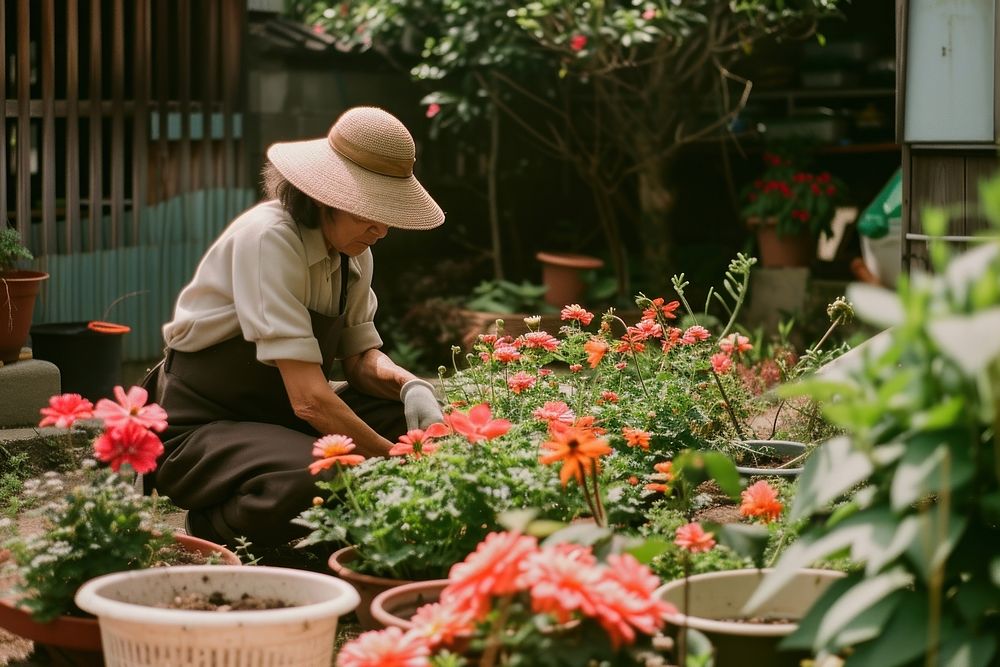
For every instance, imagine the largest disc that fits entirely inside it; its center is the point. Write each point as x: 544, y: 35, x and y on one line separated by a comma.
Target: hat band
x: 379, y: 164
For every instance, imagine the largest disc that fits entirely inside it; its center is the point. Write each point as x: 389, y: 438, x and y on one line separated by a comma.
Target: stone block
x: 776, y: 294
x: 25, y: 388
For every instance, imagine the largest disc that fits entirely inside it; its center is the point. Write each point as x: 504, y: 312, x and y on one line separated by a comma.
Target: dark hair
x: 304, y: 209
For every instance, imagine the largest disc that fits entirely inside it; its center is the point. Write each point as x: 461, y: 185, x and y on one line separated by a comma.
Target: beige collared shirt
x: 260, y: 279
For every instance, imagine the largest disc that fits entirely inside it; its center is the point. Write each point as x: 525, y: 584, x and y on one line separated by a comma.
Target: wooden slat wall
x: 103, y: 69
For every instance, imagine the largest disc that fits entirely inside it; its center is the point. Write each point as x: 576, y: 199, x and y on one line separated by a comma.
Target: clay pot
x: 394, y: 607
x: 782, y: 251
x: 561, y: 274
x: 367, y: 586
x: 18, y: 290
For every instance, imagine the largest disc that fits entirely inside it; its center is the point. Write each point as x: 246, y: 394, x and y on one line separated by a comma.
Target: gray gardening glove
x: 419, y: 404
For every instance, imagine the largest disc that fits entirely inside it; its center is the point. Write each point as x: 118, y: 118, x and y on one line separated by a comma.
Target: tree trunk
x: 656, y: 203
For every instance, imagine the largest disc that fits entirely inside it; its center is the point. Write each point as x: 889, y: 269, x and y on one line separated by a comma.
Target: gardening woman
x: 281, y: 294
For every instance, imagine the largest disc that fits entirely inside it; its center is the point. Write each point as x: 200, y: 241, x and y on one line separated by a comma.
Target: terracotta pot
x: 561, y: 274
x: 76, y: 640
x: 18, y: 290
x: 772, y: 449
x: 483, y: 322
x: 716, y: 598
x: 393, y: 608
x: 782, y: 251
x: 367, y: 586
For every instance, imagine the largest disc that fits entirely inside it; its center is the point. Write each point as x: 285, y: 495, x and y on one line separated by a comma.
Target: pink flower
x: 578, y: 42
x: 131, y: 407
x: 761, y: 500
x: 385, y: 648
x: 561, y: 579
x: 575, y: 368
x: 541, y: 340
x: 694, y: 538
x: 647, y: 329
x: 695, y: 334
x: 621, y: 365
x: 554, y: 411
x: 131, y: 443
x: 332, y: 449
x: 65, y: 409
x: 506, y: 353
x: 626, y: 600
x: 433, y: 109
x: 735, y: 343
x: 609, y: 396
x: 492, y: 569
x: 576, y: 312
x: 722, y: 363
x: 521, y: 381
x: 418, y: 441
x: 478, y: 424
x: 649, y: 14
x: 488, y: 339
x: 544, y: 372
x: 439, y: 624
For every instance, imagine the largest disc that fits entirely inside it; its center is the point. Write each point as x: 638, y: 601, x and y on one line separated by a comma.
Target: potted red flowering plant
x: 789, y: 205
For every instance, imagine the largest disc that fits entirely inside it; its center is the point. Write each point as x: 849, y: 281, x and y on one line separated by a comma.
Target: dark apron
x: 235, y: 454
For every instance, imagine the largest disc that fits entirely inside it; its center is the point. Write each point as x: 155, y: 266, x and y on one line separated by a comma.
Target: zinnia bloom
x: 131, y: 407
x: 635, y: 437
x: 561, y: 579
x: 492, y: 569
x: 332, y: 449
x: 664, y: 310
x: 439, y: 624
x: 575, y: 312
x: 129, y: 442
x: 761, y: 500
x: 65, y: 409
x: 735, y: 343
x: 478, y: 424
x: 506, y: 353
x: 385, y: 648
x: 554, y: 411
x: 520, y: 381
x: 694, y: 538
x: 626, y: 600
x: 595, y: 349
x: 695, y: 334
x: 663, y: 476
x: 576, y: 448
x: 722, y: 363
x: 540, y: 340
x: 418, y: 441
x: 647, y: 329
x: 609, y: 396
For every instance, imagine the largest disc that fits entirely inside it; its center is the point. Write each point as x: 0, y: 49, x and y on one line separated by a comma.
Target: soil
x: 218, y: 602
x: 759, y: 620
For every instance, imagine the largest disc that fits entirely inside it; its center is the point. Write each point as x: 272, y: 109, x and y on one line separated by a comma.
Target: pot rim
x: 387, y: 618
x: 569, y: 260
x: 790, y: 447
x: 346, y: 573
x: 25, y: 275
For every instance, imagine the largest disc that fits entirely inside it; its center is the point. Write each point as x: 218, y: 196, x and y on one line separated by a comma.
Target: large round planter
x: 561, y: 274
x: 135, y: 632
x: 76, y: 640
x: 394, y: 607
x: 716, y: 599
x: 18, y: 290
x: 782, y: 251
x: 89, y: 357
x: 367, y: 586
x: 772, y: 449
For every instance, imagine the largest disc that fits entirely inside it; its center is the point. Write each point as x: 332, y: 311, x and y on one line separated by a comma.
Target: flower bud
x: 532, y: 322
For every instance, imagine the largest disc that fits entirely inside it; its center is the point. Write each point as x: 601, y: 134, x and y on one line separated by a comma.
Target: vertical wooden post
x: 96, y: 194
x: 117, y: 123
x: 72, y: 122
x: 24, y: 121
x: 48, y: 154
x: 140, y: 118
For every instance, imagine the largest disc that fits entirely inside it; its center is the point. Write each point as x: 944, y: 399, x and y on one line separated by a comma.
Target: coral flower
x: 554, y: 411
x: 560, y: 579
x: 419, y: 441
x: 492, y: 569
x: 130, y: 443
x: 65, y: 409
x: 665, y: 310
x: 385, y: 648
x: 575, y: 368
x: 635, y: 437
x: 478, y: 424
x: 722, y: 363
x: 540, y: 340
x: 694, y: 334
x: 647, y: 329
x: 521, y: 381
x: 626, y: 600
x: 694, y: 538
x: 439, y: 624
x: 578, y: 42
x: 131, y: 407
x: 761, y: 500
x: 576, y: 312
x: 595, y: 349
x: 664, y: 475
x: 735, y: 343
x: 577, y: 448
x: 332, y: 449
x: 609, y: 396
x: 506, y: 353
x: 433, y: 109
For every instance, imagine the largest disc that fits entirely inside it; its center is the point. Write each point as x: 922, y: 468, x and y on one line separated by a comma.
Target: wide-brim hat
x: 363, y: 166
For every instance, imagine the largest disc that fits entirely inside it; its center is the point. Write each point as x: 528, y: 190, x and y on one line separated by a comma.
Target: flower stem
x: 729, y: 408
x: 602, y: 519
x: 493, y: 639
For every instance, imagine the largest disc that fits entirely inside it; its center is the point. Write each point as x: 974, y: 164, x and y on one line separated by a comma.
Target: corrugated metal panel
x: 149, y: 276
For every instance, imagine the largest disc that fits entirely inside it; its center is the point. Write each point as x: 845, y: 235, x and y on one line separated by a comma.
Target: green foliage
x: 11, y: 248
x: 504, y: 296
x: 920, y: 412
x: 17, y: 468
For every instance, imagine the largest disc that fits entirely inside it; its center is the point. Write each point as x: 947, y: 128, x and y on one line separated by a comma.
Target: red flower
x: 65, y: 409
x: 541, y: 340
x: 578, y: 42
x: 695, y: 334
x: 418, y: 441
x: 478, y: 424
x: 131, y: 407
x: 521, y: 381
x: 506, y: 353
x: 492, y: 569
x: 693, y: 538
x: 665, y: 310
x: 575, y: 368
x: 722, y: 363
x: 439, y: 624
x: 761, y: 500
x: 735, y: 343
x: 332, y: 449
x: 561, y: 579
x: 554, y: 411
x: 576, y: 312
x: 626, y: 600
x: 129, y: 442
x: 433, y: 110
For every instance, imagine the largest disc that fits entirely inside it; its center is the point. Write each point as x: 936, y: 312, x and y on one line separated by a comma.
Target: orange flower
x: 694, y: 538
x: 595, y: 349
x: 761, y: 500
x: 663, y: 476
x: 635, y: 437
x: 332, y: 449
x: 576, y: 448
x: 657, y: 306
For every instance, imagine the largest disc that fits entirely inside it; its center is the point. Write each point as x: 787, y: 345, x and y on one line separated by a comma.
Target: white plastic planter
x: 136, y: 633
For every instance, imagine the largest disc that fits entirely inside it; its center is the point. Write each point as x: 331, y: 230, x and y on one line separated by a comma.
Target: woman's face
x: 349, y: 234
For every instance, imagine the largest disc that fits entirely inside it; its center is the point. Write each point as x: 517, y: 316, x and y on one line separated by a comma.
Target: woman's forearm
x: 375, y: 374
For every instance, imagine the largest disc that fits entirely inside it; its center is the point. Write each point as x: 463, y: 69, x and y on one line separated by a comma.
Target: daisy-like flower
x: 648, y: 329
x: 609, y: 397
x: 695, y: 334
x: 576, y: 312
x: 520, y: 381
x: 65, y: 409
x: 540, y: 340
x: 129, y: 442
x: 385, y: 648
x: 636, y: 437
x: 418, y: 442
x: 722, y: 363
x: 491, y: 570
x: 334, y: 448
x: 439, y: 624
x: 561, y: 579
x: 595, y: 349
x: 506, y: 353
x: 626, y: 600
x: 735, y: 343
x: 554, y: 411
x: 131, y: 407
x: 664, y: 310
x: 693, y: 538
x: 761, y: 500
x: 577, y: 448
x: 630, y: 342
x: 575, y: 368
x: 478, y: 424
x: 664, y: 475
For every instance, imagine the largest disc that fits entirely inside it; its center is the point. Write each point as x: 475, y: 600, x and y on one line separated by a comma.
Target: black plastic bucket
x: 89, y: 361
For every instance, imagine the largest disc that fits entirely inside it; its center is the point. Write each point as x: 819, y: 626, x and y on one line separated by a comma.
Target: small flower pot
x: 136, y: 632
x: 561, y: 274
x: 779, y: 251
x: 764, y: 450
x: 714, y: 603
x: 18, y: 290
x: 394, y: 607
x: 367, y: 586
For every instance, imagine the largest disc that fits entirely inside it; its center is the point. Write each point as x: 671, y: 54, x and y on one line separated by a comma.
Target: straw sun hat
x: 363, y: 166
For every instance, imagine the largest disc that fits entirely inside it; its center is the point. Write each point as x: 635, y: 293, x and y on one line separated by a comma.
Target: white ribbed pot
x: 716, y: 598
x: 137, y: 633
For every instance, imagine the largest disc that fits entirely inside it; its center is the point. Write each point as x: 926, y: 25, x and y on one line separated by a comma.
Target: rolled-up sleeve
x: 270, y: 279
x: 359, y: 332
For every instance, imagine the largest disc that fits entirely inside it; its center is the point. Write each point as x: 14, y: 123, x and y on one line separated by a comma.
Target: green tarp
x: 887, y: 205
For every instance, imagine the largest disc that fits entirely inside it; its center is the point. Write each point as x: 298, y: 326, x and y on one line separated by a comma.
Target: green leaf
x: 901, y: 642
x: 648, y: 549
x: 870, y: 623
x: 875, y: 305
x: 746, y: 540
x: 818, y: 389
x: 989, y: 198
x: 906, y: 532
x: 937, y: 534
x: 971, y: 341
x: 587, y: 534
x: 995, y: 571
x: 974, y: 600
x: 961, y: 648
x: 934, y: 461
x: 805, y: 634
x: 859, y: 599
x: 834, y: 467
x: 722, y: 469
